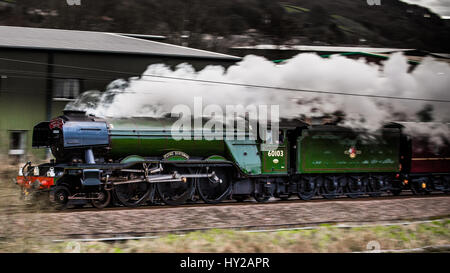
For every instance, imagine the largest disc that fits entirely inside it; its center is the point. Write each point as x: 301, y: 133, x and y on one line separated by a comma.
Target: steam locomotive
x: 134, y: 161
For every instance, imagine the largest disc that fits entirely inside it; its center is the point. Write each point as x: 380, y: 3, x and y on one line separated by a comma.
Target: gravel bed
x: 151, y: 220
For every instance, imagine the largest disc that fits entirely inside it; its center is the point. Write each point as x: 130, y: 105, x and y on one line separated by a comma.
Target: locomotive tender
x: 133, y: 161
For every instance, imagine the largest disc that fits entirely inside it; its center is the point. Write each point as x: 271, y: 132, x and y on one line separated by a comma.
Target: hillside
x: 217, y: 25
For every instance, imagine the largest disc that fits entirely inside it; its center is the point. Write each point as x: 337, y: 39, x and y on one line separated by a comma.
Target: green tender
x: 344, y: 151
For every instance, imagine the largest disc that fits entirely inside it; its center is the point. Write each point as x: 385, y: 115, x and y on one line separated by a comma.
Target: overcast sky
x: 441, y: 7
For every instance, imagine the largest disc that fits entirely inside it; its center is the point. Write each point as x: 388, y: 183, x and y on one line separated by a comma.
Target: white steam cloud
x: 153, y: 96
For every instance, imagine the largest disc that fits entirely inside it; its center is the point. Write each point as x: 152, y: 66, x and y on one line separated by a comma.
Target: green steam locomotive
x: 135, y: 161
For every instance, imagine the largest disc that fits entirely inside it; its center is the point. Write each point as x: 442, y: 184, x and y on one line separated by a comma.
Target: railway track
x: 252, y: 202
x: 150, y: 221
x: 108, y: 237
x: 88, y: 208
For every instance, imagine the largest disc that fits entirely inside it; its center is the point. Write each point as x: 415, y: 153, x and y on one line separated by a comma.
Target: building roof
x: 413, y: 60
x: 102, y: 42
x: 336, y: 49
x: 144, y: 36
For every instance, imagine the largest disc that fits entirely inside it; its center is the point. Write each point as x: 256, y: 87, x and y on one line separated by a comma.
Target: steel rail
x: 250, y: 229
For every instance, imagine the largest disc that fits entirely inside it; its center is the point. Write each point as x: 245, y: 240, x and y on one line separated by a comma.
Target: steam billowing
x: 153, y: 96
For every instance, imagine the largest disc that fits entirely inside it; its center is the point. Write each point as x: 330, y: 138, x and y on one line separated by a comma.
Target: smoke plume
x: 154, y: 96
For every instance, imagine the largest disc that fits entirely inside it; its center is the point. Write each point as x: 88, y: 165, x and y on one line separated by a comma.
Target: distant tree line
x: 336, y: 22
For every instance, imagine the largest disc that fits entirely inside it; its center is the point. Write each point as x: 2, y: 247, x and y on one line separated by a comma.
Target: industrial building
x: 42, y: 69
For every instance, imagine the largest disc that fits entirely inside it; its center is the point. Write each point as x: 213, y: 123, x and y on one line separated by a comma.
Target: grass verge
x: 325, y: 238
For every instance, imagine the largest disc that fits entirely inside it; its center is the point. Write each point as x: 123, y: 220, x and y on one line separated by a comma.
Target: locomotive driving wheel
x: 213, y: 190
x: 176, y: 193
x: 306, y: 187
x: 133, y: 194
